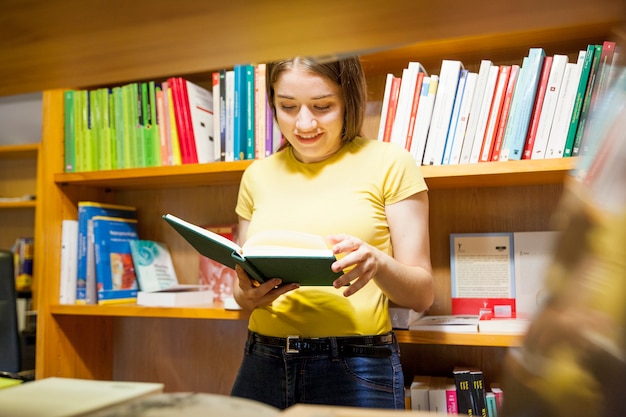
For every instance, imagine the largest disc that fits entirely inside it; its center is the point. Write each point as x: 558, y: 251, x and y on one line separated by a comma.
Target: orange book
x: 504, y: 115
x: 494, y: 113
x: 414, y: 106
x: 392, y: 107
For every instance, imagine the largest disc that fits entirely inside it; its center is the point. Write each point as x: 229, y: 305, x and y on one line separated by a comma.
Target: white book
x: 230, y: 115
x: 447, y: 323
x: 442, y: 111
x: 477, y: 100
x: 419, y: 392
x: 423, y: 117
x: 385, y: 106
x: 564, y: 109
x: 201, y: 110
x: 71, y: 397
x: 494, y: 112
x: 454, y: 119
x: 69, y: 262
x: 553, y: 88
x: 176, y: 297
x: 464, y: 115
x: 483, y: 115
x: 399, y: 132
x: 533, y: 253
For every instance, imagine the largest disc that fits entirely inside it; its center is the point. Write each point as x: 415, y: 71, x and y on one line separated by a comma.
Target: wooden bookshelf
x: 199, y: 349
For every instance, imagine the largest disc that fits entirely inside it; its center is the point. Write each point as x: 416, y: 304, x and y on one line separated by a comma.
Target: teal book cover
x: 115, y: 271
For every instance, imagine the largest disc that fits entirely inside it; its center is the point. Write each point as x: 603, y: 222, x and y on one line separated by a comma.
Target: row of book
x: 104, y: 261
x: 463, y: 392
x: 146, y: 124
x: 535, y: 110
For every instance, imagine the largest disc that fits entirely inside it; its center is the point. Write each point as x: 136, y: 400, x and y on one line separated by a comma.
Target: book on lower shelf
x: 70, y: 397
x: 217, y: 277
x: 158, y: 282
x: 447, y: 323
x: 115, y: 272
x: 516, y: 324
x: 290, y: 256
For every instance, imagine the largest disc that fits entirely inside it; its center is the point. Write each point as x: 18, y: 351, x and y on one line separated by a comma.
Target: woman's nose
x: 305, y: 120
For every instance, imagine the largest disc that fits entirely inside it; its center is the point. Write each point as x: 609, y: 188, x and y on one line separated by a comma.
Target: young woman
x: 332, y: 345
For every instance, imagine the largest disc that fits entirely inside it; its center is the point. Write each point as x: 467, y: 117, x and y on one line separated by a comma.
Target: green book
x: 578, y: 104
x: 586, y: 101
x: 291, y: 256
x: 69, y: 126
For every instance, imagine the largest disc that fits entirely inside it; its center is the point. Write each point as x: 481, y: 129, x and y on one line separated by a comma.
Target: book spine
x: 504, y: 115
x: 392, y: 108
x: 414, y: 106
x: 577, y: 148
x: 483, y: 115
x: 249, y: 113
x: 479, y: 90
x: 454, y: 118
x: 578, y: 101
x: 464, y: 115
x: 384, y: 107
x: 535, y: 117
x: 69, y: 131
x: 504, y: 72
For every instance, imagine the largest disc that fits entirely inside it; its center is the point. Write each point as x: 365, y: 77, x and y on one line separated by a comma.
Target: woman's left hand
x: 360, y: 262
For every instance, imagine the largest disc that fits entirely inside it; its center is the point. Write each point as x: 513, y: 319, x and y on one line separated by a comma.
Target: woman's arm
x: 406, y: 278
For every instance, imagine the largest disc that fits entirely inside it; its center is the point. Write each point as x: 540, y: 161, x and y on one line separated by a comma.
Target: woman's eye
x: 287, y: 107
x: 322, y: 108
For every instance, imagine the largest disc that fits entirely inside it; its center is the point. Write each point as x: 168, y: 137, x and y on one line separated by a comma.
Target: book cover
x: 384, y: 109
x: 477, y: 99
x: 442, y: 111
x: 578, y: 101
x: 551, y: 96
x: 69, y: 131
x: 478, y: 392
x: 243, y: 133
x: 483, y: 114
x: 517, y: 324
x: 215, y: 90
x: 452, y: 405
x: 423, y: 117
x: 85, y: 269
x: 260, y: 110
x: 176, y: 297
x: 535, y: 116
x: 437, y: 397
x: 153, y: 264
x: 392, y: 106
x: 215, y: 276
x: 69, y: 257
x: 419, y: 392
x: 454, y: 118
x: 564, y: 108
x: 464, y: 115
x: 464, y: 397
x: 62, y: 397
x: 184, y: 126
x: 504, y: 114
x: 406, y: 95
x: 115, y: 272
x: 451, y: 323
x: 229, y: 82
x: 504, y: 71
x: 414, y: 107
x: 482, y: 273
x: 490, y: 401
x: 290, y: 256
x: 521, y: 106
x: 201, y: 114
x: 584, y: 111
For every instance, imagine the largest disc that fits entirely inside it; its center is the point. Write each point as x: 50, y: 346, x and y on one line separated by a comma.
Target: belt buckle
x: 288, y: 348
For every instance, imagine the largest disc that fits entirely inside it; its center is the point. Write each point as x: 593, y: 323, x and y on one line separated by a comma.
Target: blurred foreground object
x: 573, y: 359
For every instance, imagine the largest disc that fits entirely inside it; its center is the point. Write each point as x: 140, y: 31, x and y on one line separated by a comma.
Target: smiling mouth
x: 309, y: 137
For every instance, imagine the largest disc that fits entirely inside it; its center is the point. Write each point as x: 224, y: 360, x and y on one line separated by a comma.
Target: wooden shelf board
x: 215, y: 312
x: 487, y: 174
x: 19, y: 151
x: 462, y: 339
x: 188, y: 175
x: 18, y: 204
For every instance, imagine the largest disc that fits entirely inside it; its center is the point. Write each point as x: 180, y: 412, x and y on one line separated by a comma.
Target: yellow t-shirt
x: 347, y: 193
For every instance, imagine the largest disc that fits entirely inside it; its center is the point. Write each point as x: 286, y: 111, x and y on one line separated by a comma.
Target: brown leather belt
x: 371, y: 346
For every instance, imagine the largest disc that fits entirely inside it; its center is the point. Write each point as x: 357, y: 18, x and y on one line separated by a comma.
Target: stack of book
x: 534, y: 110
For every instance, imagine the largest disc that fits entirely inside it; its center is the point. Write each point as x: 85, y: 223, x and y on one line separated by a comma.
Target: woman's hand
x: 360, y: 262
x: 251, y: 294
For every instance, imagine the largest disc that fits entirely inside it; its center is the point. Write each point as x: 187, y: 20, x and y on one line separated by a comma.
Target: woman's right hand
x: 251, y: 294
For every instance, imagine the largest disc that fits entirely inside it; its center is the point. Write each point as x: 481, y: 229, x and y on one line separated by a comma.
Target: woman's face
x: 310, y: 111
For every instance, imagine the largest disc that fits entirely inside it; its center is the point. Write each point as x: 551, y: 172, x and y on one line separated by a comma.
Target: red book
x: 535, y: 116
x: 392, y: 107
x: 504, y: 114
x: 494, y: 113
x: 182, y: 114
x: 414, y: 105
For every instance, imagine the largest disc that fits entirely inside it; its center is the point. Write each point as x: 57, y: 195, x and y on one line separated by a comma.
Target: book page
x: 286, y: 243
x: 482, y: 265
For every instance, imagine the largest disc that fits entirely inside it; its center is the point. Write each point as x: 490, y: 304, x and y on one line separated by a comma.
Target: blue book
x: 244, y: 112
x: 115, y: 272
x: 522, y: 106
x: 460, y: 91
x: 85, y: 269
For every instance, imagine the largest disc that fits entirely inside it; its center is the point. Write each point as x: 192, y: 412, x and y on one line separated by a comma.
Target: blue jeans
x: 271, y: 375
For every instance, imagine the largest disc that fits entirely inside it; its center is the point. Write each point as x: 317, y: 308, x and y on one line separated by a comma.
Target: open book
x: 291, y: 256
